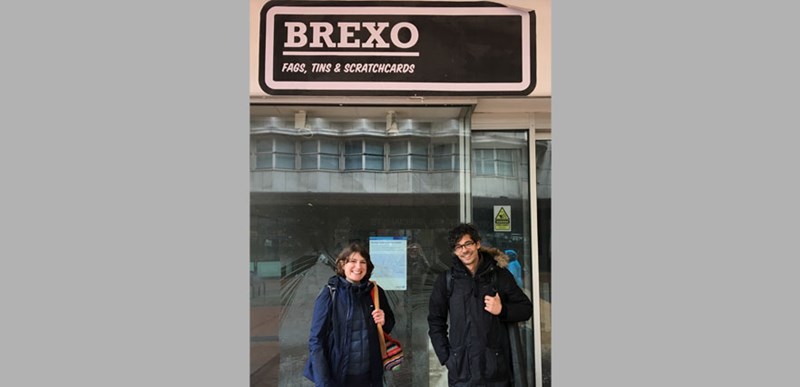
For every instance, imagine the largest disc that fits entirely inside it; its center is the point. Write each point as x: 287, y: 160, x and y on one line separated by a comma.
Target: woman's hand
x: 378, y: 316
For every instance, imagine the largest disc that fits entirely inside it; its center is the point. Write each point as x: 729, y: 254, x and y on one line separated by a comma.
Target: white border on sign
x: 400, y: 86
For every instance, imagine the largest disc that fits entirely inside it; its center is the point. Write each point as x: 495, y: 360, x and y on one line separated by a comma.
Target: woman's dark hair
x: 351, y: 249
x: 459, y: 231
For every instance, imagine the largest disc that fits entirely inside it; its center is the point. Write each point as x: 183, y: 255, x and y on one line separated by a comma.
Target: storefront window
x: 302, y: 218
x: 302, y: 215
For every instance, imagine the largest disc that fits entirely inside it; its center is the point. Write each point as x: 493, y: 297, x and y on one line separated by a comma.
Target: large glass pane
x: 302, y: 218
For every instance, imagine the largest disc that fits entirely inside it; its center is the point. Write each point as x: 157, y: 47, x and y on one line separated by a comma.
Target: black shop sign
x: 396, y: 48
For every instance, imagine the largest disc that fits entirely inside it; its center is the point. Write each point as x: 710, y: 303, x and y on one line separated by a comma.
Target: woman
x: 343, y: 344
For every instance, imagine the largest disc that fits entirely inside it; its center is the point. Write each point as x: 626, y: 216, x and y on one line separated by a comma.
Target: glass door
x: 502, y: 210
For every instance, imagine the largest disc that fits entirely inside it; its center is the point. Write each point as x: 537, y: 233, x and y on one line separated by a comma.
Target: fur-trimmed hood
x: 499, y: 256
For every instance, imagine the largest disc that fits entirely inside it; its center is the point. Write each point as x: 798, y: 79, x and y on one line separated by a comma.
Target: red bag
x: 391, y: 350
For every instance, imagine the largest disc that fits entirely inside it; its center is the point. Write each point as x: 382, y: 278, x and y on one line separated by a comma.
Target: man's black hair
x: 459, y: 231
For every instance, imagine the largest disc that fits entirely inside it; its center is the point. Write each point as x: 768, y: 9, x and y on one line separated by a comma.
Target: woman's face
x: 355, y: 268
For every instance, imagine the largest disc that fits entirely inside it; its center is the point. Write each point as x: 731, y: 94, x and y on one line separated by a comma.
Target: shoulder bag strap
x: 377, y: 302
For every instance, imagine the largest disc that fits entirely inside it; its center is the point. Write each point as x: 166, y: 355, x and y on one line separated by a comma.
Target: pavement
x: 265, y: 316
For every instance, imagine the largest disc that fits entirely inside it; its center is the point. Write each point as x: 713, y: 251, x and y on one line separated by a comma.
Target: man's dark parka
x: 476, y: 348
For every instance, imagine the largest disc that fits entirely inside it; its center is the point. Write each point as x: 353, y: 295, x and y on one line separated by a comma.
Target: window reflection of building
x: 280, y: 152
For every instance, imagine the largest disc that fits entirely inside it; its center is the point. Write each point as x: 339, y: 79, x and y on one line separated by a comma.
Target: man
x: 481, y: 299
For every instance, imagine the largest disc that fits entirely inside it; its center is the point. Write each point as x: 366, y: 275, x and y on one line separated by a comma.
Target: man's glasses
x: 464, y: 246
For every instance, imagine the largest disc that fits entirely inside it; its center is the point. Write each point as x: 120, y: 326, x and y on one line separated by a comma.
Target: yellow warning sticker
x: 502, y: 218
